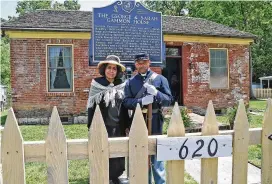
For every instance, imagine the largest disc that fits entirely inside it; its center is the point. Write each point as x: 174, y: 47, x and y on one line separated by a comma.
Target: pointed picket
x: 175, y: 169
x: 13, y: 163
x: 209, y: 166
x: 267, y: 145
x: 240, y: 146
x: 98, y: 150
x: 56, y: 151
x: 138, y: 149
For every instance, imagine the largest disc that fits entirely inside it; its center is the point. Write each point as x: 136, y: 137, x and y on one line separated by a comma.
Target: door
x: 172, y: 71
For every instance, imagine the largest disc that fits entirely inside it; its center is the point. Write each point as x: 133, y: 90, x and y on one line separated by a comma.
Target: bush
x: 185, y: 118
x: 231, y: 114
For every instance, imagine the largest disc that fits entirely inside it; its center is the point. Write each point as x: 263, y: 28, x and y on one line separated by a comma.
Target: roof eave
x: 213, y: 35
x: 45, y: 29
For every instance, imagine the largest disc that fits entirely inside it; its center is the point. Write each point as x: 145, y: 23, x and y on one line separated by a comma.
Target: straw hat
x: 112, y: 59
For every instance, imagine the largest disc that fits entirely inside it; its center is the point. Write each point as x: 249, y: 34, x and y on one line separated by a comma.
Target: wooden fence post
x: 209, y: 166
x: 138, y: 149
x: 267, y: 145
x: 240, y: 146
x: 56, y: 151
x: 175, y: 168
x: 98, y: 148
x: 13, y: 152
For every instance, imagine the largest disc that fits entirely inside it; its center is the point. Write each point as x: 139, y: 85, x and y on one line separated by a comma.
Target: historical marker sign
x: 126, y: 28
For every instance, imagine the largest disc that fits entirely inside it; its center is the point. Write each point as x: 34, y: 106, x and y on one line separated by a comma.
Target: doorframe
x: 181, y: 100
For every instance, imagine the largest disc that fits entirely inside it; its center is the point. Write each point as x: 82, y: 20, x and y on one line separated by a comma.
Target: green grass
x: 222, y: 119
x: 255, y: 154
x: 189, y: 179
x: 3, y: 117
x: 257, y: 105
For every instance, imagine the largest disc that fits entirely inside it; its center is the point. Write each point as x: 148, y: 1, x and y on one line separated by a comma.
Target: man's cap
x: 141, y: 57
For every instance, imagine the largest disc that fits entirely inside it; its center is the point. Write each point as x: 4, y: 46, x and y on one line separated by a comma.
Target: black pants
x: 116, y: 165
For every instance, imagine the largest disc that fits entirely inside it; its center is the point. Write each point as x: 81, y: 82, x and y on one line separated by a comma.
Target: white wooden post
x: 56, y: 151
x: 209, y: 166
x: 267, y: 145
x: 138, y: 149
x: 98, y: 149
x: 175, y: 168
x: 240, y: 146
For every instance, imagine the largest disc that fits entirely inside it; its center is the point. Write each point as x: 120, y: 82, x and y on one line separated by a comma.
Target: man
x: 145, y: 88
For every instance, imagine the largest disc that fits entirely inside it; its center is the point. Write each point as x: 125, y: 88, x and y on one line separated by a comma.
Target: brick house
x: 204, y: 61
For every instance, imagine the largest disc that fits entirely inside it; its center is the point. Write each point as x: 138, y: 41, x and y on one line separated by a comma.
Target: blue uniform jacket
x: 163, y: 98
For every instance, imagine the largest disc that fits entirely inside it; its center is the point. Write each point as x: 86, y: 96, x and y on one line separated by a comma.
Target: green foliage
x: 26, y: 6
x: 5, y: 64
x: 185, y: 117
x: 254, y: 17
x: 187, y: 121
x: 71, y: 5
x: 166, y: 7
x: 231, y: 114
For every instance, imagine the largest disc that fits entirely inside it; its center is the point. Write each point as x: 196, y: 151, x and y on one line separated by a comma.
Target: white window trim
x: 72, y: 74
x: 210, y: 66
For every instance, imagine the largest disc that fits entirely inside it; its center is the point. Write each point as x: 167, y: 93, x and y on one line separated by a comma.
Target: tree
x: 254, y: 17
x: 174, y: 8
x: 26, y: 6
x: 71, y: 5
x: 5, y: 64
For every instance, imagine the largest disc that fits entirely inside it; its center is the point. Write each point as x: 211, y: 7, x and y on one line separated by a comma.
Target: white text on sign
x: 181, y: 148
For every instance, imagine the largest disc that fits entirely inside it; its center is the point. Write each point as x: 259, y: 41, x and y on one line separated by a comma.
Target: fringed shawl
x: 109, y: 93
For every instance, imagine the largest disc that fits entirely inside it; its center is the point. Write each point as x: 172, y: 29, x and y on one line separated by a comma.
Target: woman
x: 107, y: 92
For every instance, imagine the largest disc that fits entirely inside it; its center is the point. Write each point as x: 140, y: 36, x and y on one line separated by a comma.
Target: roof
x: 75, y: 21
x: 266, y: 78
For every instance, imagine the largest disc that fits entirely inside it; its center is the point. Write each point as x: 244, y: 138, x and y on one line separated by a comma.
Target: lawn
x: 257, y: 105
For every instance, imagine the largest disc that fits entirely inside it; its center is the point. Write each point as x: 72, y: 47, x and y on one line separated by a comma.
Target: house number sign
x: 182, y: 148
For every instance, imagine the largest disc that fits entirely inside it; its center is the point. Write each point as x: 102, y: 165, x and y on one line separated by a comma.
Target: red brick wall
x: 196, y: 91
x: 28, y: 79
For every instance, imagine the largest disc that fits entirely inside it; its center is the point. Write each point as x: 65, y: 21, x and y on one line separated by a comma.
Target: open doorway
x: 172, y: 71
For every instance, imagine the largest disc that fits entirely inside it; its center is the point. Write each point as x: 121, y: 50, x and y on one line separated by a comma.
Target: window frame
x: 47, y: 70
x: 227, y: 60
x: 173, y: 47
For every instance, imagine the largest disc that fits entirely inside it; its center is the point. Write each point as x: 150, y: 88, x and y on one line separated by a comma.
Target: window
x: 60, y: 71
x: 172, y: 51
x: 218, y: 69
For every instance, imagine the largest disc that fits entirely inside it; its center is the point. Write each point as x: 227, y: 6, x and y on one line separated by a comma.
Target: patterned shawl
x: 109, y: 93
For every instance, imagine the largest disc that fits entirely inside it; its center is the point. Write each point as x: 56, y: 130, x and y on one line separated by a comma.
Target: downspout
x: 252, y: 96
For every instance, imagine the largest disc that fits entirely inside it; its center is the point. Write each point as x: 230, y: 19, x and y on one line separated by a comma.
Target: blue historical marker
x: 126, y: 28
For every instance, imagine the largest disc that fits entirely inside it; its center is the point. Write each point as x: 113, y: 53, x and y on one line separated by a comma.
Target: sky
x: 8, y: 7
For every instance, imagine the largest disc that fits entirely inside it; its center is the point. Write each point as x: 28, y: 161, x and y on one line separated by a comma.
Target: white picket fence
x: 262, y: 93
x: 56, y: 150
